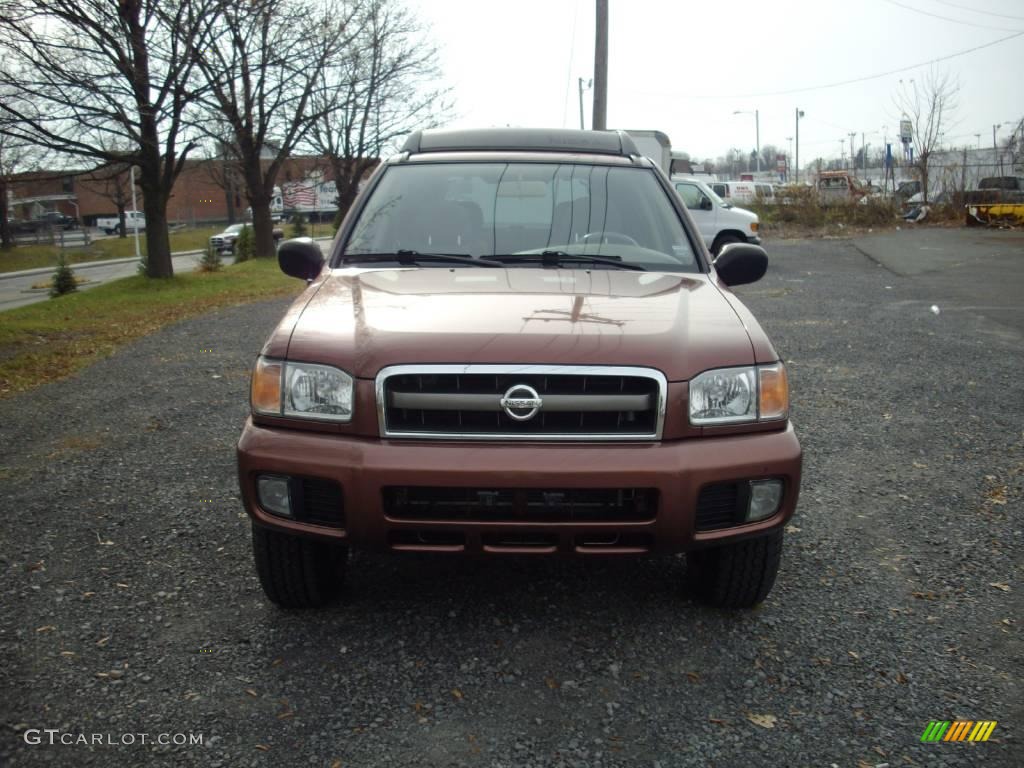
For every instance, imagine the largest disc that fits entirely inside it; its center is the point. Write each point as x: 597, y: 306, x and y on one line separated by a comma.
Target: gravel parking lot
x: 130, y: 606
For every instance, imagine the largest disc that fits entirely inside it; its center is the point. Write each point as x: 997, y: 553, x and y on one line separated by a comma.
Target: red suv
x: 519, y: 344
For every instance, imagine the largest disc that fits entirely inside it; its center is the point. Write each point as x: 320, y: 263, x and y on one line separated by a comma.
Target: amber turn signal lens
x: 265, y: 394
x: 774, y: 392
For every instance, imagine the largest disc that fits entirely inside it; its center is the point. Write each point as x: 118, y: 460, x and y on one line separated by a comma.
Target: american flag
x: 298, y: 194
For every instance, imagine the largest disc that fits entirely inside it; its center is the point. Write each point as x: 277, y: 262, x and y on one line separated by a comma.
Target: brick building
x: 202, y: 193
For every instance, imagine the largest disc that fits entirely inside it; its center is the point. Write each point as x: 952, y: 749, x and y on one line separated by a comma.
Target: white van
x: 719, y: 222
x: 744, y: 191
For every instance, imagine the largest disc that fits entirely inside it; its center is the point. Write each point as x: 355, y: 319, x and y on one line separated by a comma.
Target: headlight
x: 739, y: 395
x: 302, y: 390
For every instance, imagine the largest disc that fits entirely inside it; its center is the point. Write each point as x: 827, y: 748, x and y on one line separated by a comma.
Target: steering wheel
x: 607, y: 238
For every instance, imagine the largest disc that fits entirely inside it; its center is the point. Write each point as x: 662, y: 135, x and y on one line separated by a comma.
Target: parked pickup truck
x: 112, y: 224
x: 225, y: 241
x: 568, y: 375
x: 49, y: 220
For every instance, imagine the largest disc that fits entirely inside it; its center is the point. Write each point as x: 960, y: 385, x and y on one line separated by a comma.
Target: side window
x: 721, y: 190
x: 690, y: 194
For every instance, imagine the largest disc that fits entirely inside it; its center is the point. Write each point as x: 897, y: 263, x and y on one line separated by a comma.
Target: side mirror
x: 705, y: 203
x: 301, y: 258
x: 741, y: 263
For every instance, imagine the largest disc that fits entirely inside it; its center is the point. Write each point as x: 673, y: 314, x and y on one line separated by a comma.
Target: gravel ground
x: 129, y: 603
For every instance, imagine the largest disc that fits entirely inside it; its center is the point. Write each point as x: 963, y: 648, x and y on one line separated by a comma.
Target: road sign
x: 906, y: 131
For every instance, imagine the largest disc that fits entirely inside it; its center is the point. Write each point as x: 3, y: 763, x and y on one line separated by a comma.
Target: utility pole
x: 600, y: 121
x: 789, y: 157
x: 799, y: 114
x: 863, y: 155
x: 757, y: 137
x: 590, y: 83
x: 853, y: 156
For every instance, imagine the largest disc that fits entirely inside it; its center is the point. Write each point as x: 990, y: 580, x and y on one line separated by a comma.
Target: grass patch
x: 31, y: 256
x: 53, y: 339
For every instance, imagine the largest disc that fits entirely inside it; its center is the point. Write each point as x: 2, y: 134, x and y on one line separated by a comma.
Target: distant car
x: 225, y: 241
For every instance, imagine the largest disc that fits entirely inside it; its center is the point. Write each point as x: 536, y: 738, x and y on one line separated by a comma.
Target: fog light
x: 273, y: 494
x: 765, y: 497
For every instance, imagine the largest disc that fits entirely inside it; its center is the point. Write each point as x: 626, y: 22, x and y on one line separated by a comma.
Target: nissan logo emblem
x: 521, y: 402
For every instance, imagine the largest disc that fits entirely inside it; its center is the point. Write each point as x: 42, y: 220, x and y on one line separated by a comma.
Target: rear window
x: 482, y: 209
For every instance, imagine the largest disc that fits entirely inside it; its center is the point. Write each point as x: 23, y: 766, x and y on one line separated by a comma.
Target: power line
x: 978, y: 10
x: 878, y: 75
x: 944, y: 18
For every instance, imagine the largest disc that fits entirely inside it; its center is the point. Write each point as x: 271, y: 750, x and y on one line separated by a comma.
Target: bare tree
x: 264, y: 62
x: 929, y: 106
x: 112, y: 183
x: 97, y: 74
x: 386, y: 86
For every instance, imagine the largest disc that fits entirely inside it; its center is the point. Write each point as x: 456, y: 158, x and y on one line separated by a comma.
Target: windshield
x: 488, y: 209
x: 235, y: 228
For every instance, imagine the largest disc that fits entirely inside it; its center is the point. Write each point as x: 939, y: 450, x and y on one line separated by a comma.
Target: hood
x: 745, y: 213
x: 364, y: 320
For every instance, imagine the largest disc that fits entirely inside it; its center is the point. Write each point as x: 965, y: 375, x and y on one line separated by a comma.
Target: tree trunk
x: 262, y: 227
x: 229, y: 198
x: 123, y: 225
x: 158, y: 242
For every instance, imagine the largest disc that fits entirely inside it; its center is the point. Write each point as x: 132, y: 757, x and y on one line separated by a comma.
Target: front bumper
x: 754, y: 239
x: 363, y: 467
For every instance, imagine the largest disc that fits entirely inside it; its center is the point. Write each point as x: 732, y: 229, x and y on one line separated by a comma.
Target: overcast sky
x: 685, y: 67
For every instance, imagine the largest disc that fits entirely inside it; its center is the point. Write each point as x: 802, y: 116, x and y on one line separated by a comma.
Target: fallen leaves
x: 47, y: 628
x: 457, y: 694
x: 1000, y: 585
x: 764, y: 721
x: 552, y: 683
x: 693, y: 677
x: 252, y: 693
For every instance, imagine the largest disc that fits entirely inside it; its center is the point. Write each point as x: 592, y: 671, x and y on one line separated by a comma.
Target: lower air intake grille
x: 721, y: 506
x: 537, y: 505
x: 320, y: 501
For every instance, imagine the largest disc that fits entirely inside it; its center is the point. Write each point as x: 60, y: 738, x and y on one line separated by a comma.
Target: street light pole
x: 799, y: 114
x: 757, y: 137
x: 135, y: 215
x: 590, y: 83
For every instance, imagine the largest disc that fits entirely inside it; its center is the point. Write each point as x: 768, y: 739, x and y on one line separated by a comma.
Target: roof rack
x: 522, y: 140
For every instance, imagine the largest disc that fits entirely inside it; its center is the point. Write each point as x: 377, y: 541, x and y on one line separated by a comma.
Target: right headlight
x: 301, y: 390
x: 739, y: 395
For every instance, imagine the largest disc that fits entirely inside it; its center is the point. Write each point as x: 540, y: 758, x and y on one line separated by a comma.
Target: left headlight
x: 301, y: 390
x: 739, y: 395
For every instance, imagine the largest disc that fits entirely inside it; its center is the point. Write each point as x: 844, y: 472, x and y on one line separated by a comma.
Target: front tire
x: 736, y: 575
x: 297, y: 572
x: 723, y: 240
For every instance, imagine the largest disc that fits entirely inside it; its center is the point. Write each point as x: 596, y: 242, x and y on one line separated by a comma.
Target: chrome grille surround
x: 585, y: 402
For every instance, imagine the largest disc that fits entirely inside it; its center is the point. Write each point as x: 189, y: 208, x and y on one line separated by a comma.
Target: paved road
x: 961, y: 270
x: 16, y: 289
x: 128, y: 602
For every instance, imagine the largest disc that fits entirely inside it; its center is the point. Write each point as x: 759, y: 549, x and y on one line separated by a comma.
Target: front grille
x: 534, y: 505
x: 721, y: 506
x: 319, y: 501
x: 572, y: 402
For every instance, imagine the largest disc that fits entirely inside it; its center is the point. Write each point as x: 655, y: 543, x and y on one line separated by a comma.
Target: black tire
x: 723, y: 240
x: 736, y: 575
x: 296, y: 572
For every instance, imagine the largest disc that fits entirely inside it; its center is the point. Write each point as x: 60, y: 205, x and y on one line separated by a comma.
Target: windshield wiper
x: 558, y: 258
x: 409, y: 258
